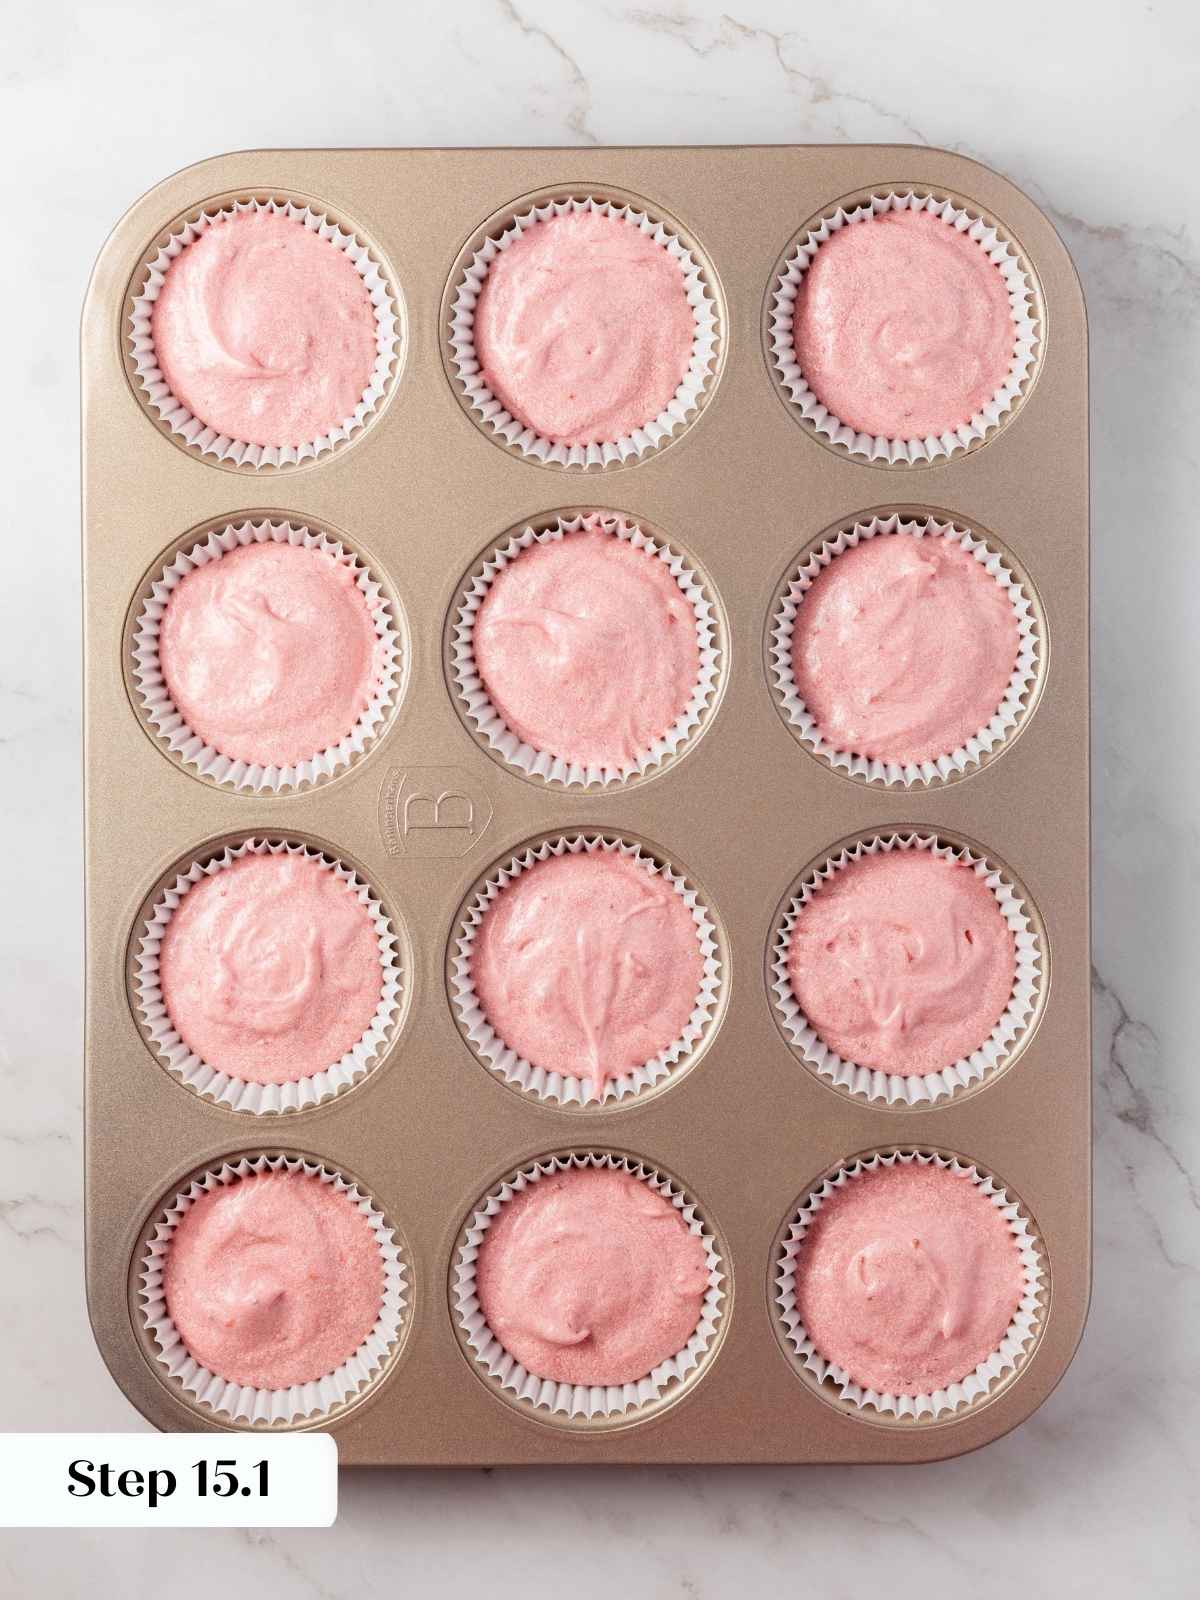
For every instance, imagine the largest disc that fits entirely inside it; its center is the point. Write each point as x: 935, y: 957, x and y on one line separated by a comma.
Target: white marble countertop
x: 1092, y: 108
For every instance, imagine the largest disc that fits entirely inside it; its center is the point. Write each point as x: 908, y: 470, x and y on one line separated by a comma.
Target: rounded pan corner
x: 994, y: 175
x: 954, y: 1451
x: 131, y: 211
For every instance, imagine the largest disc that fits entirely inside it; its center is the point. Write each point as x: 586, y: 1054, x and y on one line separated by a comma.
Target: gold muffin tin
x: 741, y: 492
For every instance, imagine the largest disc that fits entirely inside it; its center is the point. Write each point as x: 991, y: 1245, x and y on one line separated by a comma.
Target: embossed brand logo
x: 432, y: 811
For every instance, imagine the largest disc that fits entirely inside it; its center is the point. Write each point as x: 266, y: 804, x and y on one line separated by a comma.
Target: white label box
x: 168, y: 1480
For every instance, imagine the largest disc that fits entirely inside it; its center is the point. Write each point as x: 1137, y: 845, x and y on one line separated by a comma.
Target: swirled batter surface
x: 902, y: 326
x: 902, y: 961
x: 583, y: 328
x: 587, y: 965
x: 908, y: 1277
x: 903, y: 648
x: 264, y: 330
x: 590, y: 1276
x: 587, y: 648
x: 270, y: 653
x: 274, y: 1279
x: 270, y: 968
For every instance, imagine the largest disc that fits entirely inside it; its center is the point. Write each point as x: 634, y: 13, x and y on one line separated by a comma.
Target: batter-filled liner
x: 169, y: 724
x: 489, y: 724
x: 155, y: 393
x: 579, y: 1403
x: 507, y: 429
x: 567, y: 1089
x: 990, y: 739
x: 832, y: 1380
x: 237, y: 1093
x: 913, y: 1089
x: 300, y: 1401
x: 1023, y: 305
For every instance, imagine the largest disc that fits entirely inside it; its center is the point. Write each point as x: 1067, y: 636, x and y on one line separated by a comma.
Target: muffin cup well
x: 826, y: 1376
x: 1010, y: 713
x: 488, y: 723
x: 242, y: 1402
x: 560, y: 1088
x: 238, y: 1093
x: 155, y: 393
x: 167, y: 721
x: 915, y: 1089
x: 479, y: 400
x: 566, y: 1403
x: 1023, y: 302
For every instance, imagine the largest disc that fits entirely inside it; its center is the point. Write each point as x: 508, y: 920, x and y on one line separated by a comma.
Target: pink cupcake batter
x: 902, y: 961
x: 908, y: 1277
x: 264, y: 330
x: 588, y: 965
x: 270, y: 653
x: 590, y: 1276
x: 273, y: 1280
x: 270, y: 968
x: 902, y: 326
x: 903, y: 648
x: 587, y: 648
x: 583, y: 328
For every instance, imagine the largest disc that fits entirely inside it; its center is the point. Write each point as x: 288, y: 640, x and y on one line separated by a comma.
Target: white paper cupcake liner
x: 828, y: 1375
x: 480, y: 400
x: 488, y: 722
x: 208, y: 441
x: 906, y: 452
x: 580, y: 1403
x: 562, y: 1088
x: 1009, y: 713
x: 168, y: 722
x: 243, y: 1402
x: 916, y: 1089
x: 237, y: 1093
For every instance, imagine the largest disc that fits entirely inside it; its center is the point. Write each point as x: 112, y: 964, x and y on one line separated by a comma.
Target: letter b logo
x: 432, y: 811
